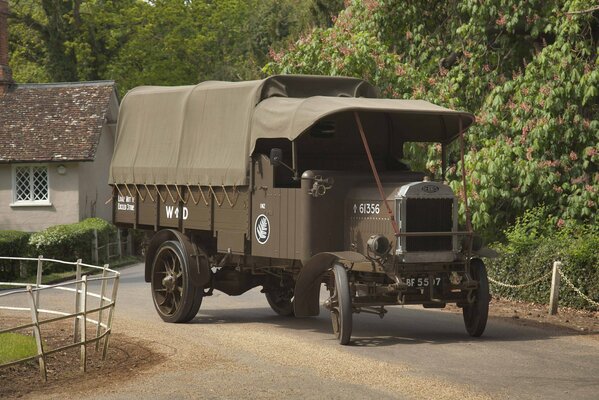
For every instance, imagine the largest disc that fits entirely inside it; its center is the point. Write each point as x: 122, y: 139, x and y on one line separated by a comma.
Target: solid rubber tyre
x: 281, y: 301
x: 175, y: 297
x: 341, y: 306
x: 477, y: 313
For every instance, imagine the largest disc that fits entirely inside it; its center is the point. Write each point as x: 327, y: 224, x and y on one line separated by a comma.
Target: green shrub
x: 12, y: 244
x: 71, y: 242
x: 534, y: 242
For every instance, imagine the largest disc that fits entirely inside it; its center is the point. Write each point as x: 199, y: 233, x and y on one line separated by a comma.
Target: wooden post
x: 77, y: 303
x: 102, y: 294
x: 119, y: 249
x: 83, y: 321
x: 22, y: 269
x: 555, y: 281
x: 115, y: 288
x: 95, y: 248
x: 108, y: 249
x: 38, y: 335
x: 130, y: 243
x: 38, y: 280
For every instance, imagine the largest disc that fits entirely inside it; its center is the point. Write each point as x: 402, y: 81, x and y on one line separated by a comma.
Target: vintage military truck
x: 288, y: 183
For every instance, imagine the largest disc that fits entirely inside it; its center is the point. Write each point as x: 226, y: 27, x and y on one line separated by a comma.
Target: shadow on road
x: 400, y: 326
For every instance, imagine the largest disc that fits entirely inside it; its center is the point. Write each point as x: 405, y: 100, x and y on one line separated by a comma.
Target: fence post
x: 100, y: 313
x: 108, y: 249
x: 129, y: 243
x: 95, y: 248
x: 37, y: 334
x: 83, y: 321
x: 38, y: 280
x: 115, y: 287
x: 555, y: 282
x: 22, y: 269
x: 119, y: 249
x: 77, y: 302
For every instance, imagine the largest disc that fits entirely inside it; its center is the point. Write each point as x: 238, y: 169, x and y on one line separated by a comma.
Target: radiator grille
x: 428, y: 215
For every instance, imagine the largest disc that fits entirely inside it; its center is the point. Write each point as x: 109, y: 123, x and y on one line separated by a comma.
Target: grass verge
x: 14, y: 346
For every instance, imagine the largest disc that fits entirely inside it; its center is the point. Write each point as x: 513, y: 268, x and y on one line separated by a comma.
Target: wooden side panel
x: 169, y: 212
x: 233, y: 241
x: 264, y: 208
x: 280, y: 207
x: 199, y: 203
x: 231, y: 218
x: 125, y: 205
x: 288, y: 223
x: 147, y: 212
x: 231, y: 211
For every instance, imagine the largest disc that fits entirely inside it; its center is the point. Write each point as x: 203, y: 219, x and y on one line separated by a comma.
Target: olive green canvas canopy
x: 204, y: 134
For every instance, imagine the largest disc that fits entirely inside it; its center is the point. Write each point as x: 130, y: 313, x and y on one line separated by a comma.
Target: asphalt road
x: 237, y: 347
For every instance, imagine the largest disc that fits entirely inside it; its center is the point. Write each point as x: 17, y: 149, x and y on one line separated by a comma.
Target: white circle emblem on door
x: 262, y: 229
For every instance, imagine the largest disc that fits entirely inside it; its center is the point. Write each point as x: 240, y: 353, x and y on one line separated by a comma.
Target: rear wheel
x: 340, y: 305
x: 281, y: 301
x: 476, y: 313
x: 175, y: 297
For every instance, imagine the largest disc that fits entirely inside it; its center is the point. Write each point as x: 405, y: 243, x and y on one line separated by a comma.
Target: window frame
x: 30, y: 202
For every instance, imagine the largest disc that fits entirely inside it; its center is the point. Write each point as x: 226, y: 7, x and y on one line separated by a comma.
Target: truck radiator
x: 429, y: 215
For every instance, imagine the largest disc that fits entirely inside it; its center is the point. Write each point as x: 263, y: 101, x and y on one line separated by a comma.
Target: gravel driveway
x: 238, y: 348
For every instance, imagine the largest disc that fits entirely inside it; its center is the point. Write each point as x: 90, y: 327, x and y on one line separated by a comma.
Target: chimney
x: 5, y: 71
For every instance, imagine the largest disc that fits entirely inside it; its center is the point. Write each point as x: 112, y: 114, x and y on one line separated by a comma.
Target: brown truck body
x: 301, y: 207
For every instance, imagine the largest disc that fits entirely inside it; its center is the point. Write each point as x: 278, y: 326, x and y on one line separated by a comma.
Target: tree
x: 139, y: 42
x: 73, y: 40
x: 527, y: 69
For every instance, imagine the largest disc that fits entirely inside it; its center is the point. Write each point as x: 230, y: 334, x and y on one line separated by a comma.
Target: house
x: 56, y: 142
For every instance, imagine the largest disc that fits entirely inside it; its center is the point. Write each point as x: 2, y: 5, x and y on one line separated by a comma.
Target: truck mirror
x: 276, y: 157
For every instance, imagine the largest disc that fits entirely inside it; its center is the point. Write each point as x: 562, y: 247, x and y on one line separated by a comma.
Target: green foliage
x: 72, y: 241
x: 533, y: 244
x: 526, y: 69
x: 66, y: 40
x: 14, y: 346
x: 157, y: 42
x: 12, y: 244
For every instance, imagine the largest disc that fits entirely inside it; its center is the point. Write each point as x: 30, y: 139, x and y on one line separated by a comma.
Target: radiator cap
x: 428, y: 190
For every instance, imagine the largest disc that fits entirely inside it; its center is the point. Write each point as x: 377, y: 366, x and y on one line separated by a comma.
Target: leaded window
x: 31, y: 184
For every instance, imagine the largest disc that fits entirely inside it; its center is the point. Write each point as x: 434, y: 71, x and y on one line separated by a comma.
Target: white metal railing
x: 80, y: 316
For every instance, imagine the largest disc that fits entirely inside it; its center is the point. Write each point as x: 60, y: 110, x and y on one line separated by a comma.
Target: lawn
x: 14, y: 346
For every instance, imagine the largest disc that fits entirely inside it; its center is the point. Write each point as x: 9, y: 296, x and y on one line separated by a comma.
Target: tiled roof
x: 53, y: 122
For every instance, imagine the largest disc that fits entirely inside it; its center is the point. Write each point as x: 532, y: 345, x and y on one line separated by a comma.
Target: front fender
x: 306, y: 302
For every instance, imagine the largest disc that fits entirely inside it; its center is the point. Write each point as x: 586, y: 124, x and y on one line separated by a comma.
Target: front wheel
x: 476, y: 313
x: 340, y: 305
x: 175, y: 297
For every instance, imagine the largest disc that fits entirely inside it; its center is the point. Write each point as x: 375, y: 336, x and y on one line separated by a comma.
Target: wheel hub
x: 169, y: 283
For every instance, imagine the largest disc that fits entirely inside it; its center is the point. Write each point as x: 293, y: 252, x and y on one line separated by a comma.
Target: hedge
x: 71, y: 242
x: 533, y: 244
x: 12, y: 244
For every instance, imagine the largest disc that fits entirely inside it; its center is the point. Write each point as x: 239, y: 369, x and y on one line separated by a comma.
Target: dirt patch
x: 567, y: 320
x: 126, y: 357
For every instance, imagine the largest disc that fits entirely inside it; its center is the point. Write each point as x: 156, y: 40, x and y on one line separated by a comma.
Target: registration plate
x: 423, y: 281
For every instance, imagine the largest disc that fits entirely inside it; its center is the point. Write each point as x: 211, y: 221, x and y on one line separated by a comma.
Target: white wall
x: 94, y: 190
x: 64, y: 199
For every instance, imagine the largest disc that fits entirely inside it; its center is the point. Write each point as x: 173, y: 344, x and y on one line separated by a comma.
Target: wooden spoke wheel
x: 340, y: 305
x: 476, y: 313
x: 281, y: 301
x: 175, y: 297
